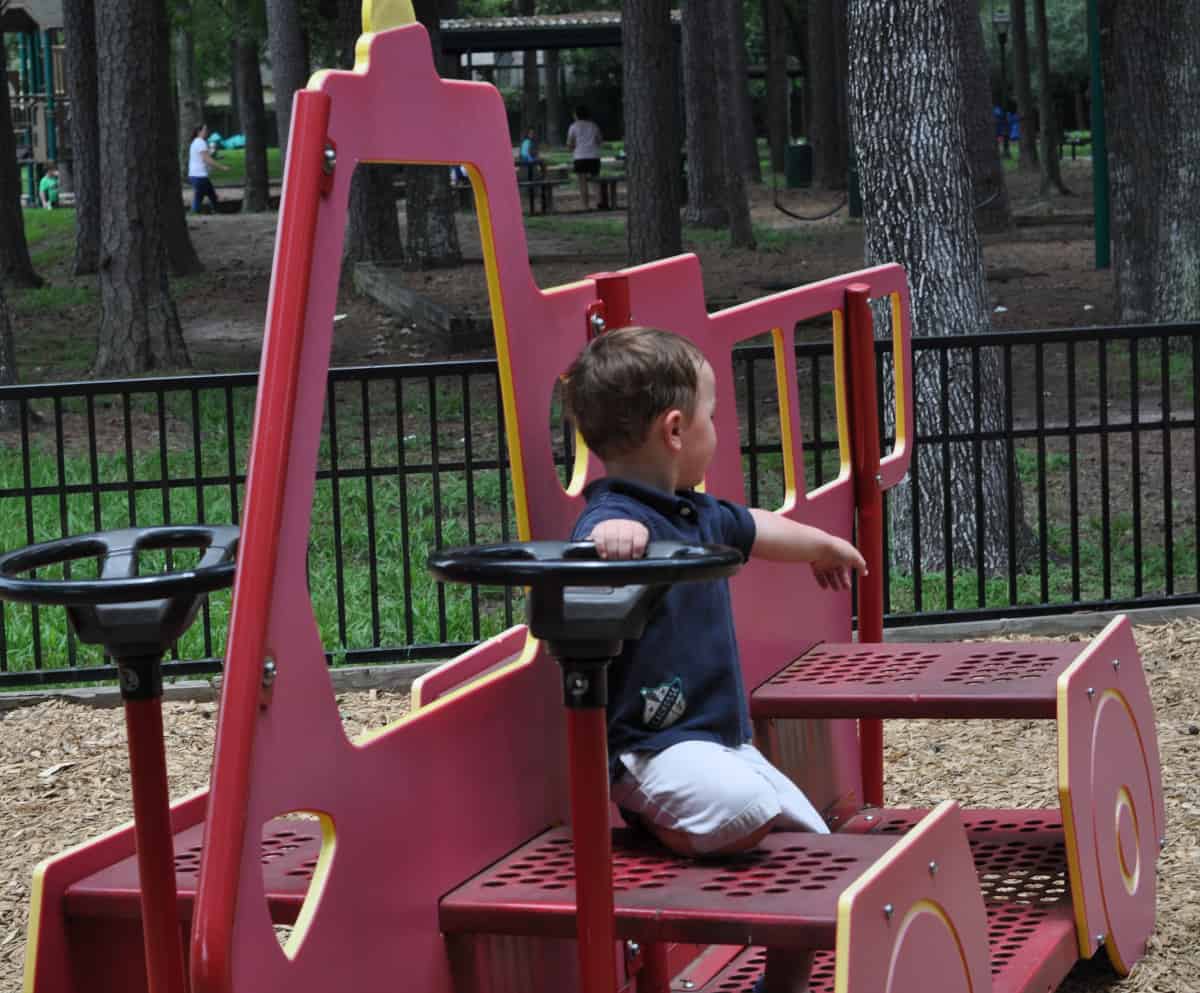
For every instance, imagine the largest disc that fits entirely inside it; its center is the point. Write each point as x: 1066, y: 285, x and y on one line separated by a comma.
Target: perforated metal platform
x: 783, y: 894
x: 987, y: 680
x: 1022, y: 870
x: 289, y: 856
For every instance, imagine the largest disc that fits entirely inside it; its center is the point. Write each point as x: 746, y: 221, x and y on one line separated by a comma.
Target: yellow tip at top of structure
x: 379, y: 15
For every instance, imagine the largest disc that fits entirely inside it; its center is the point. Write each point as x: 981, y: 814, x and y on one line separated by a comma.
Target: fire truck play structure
x: 456, y: 850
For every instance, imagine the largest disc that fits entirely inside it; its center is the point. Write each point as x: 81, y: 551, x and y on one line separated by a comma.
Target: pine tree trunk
x: 529, y: 75
x: 9, y: 410
x: 987, y: 173
x: 289, y: 63
x: 181, y: 253
x: 1048, y: 132
x: 1023, y: 85
x: 16, y: 268
x: 79, y: 31
x: 828, y: 129
x: 706, y: 204
x: 1153, y: 137
x: 189, y: 94
x: 741, y: 233
x: 651, y: 139
x: 139, y: 327
x: 747, y: 138
x: 774, y: 27
x: 554, y: 100
x: 253, y: 114
x: 917, y: 201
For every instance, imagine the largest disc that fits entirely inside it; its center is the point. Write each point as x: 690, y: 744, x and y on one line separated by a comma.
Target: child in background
x: 678, y: 722
x: 48, y: 187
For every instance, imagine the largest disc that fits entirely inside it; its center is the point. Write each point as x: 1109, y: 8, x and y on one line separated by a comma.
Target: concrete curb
x: 400, y: 677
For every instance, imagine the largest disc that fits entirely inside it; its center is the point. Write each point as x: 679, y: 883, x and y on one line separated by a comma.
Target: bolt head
x: 933, y: 868
x: 1091, y: 692
x: 888, y: 910
x: 1116, y: 663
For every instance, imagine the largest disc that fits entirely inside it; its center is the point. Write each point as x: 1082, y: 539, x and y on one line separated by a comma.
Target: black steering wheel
x: 133, y: 616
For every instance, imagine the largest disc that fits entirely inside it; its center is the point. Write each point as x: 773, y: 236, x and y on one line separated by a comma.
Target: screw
x: 1162, y: 843
x: 330, y: 162
x: 686, y: 984
x: 1100, y: 939
x: 888, y: 910
x: 269, y: 673
x: 598, y: 324
x: 1091, y: 692
x: 577, y: 685
x: 1116, y: 663
x: 878, y: 479
x: 933, y: 868
x: 633, y: 949
x: 870, y: 817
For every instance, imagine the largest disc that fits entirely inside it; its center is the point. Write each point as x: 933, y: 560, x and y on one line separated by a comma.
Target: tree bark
x: 1153, y: 135
x: 79, y: 19
x: 251, y: 110
x: 16, y: 268
x: 747, y: 138
x: 778, y: 91
x: 990, y: 191
x: 1048, y: 132
x: 181, y: 253
x: 737, y: 202
x: 828, y: 129
x: 529, y: 76
x: 289, y: 62
x: 917, y: 202
x: 651, y: 140
x: 554, y: 100
x: 139, y: 327
x: 1023, y: 85
x: 706, y: 204
x: 9, y: 410
x: 189, y: 92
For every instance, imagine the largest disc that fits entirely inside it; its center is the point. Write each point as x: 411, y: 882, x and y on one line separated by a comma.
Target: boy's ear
x: 671, y: 426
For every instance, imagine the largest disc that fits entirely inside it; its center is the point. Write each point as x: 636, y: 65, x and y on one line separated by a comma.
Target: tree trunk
x: 828, y: 129
x: 705, y: 156
x: 529, y: 76
x: 1048, y: 131
x: 289, y: 62
x: 79, y: 32
x: 651, y: 140
x: 747, y: 137
x: 253, y: 114
x: 987, y: 173
x: 16, y: 268
x: 554, y: 100
x: 741, y: 232
x: 139, y: 327
x: 9, y: 410
x: 778, y: 90
x: 1153, y: 135
x: 181, y: 253
x: 1023, y: 86
x: 189, y: 92
x: 917, y: 202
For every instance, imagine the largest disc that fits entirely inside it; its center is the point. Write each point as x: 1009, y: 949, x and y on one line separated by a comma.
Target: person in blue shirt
x: 529, y: 156
x: 679, y: 729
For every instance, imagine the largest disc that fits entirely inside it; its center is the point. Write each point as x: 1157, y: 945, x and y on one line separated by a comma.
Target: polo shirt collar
x: 679, y: 504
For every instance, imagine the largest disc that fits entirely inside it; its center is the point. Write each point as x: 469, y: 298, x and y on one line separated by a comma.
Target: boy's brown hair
x: 623, y: 380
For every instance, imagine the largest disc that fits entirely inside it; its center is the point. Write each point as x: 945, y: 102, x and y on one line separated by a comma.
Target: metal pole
x: 1099, y: 142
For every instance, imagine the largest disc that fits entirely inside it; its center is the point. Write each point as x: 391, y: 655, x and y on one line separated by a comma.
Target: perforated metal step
x: 984, y: 680
x: 783, y: 894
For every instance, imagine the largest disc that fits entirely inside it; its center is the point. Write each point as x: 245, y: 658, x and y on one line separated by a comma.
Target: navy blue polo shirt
x: 681, y: 681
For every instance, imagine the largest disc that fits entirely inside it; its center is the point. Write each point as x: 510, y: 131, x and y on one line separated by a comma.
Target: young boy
x: 678, y: 723
x: 48, y: 187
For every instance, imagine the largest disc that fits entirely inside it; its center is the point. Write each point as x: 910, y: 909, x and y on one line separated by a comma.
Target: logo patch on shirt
x: 663, y: 705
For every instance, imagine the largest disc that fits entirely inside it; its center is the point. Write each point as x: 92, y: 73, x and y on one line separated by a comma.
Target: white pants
x: 711, y: 792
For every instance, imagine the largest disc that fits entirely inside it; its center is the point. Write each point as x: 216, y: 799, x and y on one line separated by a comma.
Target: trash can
x: 798, y: 166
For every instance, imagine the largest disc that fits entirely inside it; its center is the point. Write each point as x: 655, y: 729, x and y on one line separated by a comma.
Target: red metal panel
x: 783, y: 894
x: 993, y: 680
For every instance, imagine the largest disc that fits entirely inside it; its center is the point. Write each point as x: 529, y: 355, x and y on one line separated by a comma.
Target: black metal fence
x: 1059, y: 467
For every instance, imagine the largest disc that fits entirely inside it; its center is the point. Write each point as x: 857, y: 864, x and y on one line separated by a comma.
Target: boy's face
x: 698, y: 433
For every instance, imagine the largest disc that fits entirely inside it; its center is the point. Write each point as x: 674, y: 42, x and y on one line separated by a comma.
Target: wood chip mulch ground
x: 63, y: 776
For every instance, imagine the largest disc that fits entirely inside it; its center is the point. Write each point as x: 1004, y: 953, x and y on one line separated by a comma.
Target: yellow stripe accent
x: 379, y: 15
x: 841, y: 378
x: 785, y: 420
x: 316, y: 887
x: 899, y: 384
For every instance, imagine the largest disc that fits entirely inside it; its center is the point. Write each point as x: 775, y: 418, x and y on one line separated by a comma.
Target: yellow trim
x: 842, y: 401
x: 379, y: 15
x: 1130, y: 879
x: 898, y: 368
x: 579, y: 467
x: 1083, y: 930
x: 785, y: 421
x: 316, y: 887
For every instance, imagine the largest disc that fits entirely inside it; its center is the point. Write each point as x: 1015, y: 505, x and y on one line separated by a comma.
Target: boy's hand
x: 620, y: 539
x: 832, y: 569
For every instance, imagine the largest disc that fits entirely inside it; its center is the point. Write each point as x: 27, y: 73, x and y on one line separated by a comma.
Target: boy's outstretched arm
x: 785, y: 540
x: 619, y: 538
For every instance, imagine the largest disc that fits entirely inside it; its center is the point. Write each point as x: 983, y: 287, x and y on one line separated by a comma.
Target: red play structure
x: 440, y: 854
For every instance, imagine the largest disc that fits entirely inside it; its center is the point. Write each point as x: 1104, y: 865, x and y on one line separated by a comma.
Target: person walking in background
x: 530, y: 159
x: 48, y: 187
x: 200, y: 160
x: 584, y: 140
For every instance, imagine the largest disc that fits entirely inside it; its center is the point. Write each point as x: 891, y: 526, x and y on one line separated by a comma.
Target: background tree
x: 181, y: 253
x: 530, y: 94
x: 746, y: 137
x: 1153, y: 139
x: 16, y: 268
x: 9, y: 411
x: 1023, y: 86
x: 828, y: 127
x: 651, y: 134
x: 706, y: 204
x: 730, y: 109
x: 1048, y: 132
x: 775, y: 52
x: 189, y: 90
x: 248, y: 29
x: 554, y: 99
x: 80, y: 39
x: 139, y: 327
x: 289, y: 62
x: 990, y: 191
x: 905, y: 68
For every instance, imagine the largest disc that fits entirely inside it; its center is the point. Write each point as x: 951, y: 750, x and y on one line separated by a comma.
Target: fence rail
x: 1058, y: 466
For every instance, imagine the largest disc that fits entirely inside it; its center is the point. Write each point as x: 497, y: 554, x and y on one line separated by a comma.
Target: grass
x: 235, y: 160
